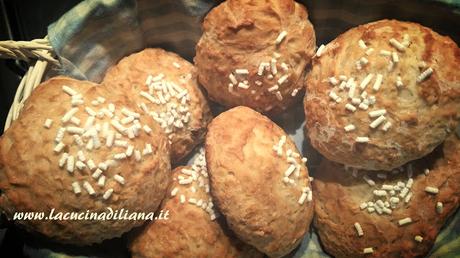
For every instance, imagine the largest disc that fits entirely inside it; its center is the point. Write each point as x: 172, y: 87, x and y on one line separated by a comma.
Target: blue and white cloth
x: 95, y: 34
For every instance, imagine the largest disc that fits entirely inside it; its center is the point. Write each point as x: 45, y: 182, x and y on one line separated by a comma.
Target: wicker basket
x: 39, y: 54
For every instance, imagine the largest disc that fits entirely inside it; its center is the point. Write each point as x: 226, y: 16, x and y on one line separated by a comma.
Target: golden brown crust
x: 229, y: 34
x: 130, y: 75
x: 422, y: 114
x: 247, y: 181
x: 189, y: 231
x: 31, y: 180
x: 339, y: 195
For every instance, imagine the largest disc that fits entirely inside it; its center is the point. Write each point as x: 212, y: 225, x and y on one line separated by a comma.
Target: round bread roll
x: 409, y: 220
x: 191, y: 229
x: 164, y: 85
x: 383, y: 94
x: 79, y: 150
x: 254, y: 53
x: 259, y: 181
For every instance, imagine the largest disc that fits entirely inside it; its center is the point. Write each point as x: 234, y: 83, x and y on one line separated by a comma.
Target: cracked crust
x: 339, y: 195
x: 130, y: 75
x: 422, y: 114
x: 229, y: 33
x: 247, y: 182
x: 31, y: 180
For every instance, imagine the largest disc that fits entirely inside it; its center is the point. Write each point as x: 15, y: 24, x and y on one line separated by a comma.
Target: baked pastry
x: 259, y: 181
x: 399, y: 214
x: 164, y: 85
x: 79, y: 150
x: 254, y: 53
x: 383, y: 94
x: 192, y: 229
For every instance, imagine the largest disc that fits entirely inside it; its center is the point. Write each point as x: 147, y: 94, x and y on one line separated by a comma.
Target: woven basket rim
x: 39, y: 54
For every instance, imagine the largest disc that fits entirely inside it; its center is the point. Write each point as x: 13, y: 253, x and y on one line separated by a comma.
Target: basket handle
x: 38, y: 53
x: 38, y: 49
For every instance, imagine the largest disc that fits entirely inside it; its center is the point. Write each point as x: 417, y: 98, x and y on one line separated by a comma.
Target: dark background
x: 23, y: 20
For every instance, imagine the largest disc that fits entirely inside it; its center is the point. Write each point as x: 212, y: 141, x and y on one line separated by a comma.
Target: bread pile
x: 101, y: 148
x: 194, y: 228
x: 380, y: 99
x: 381, y: 104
